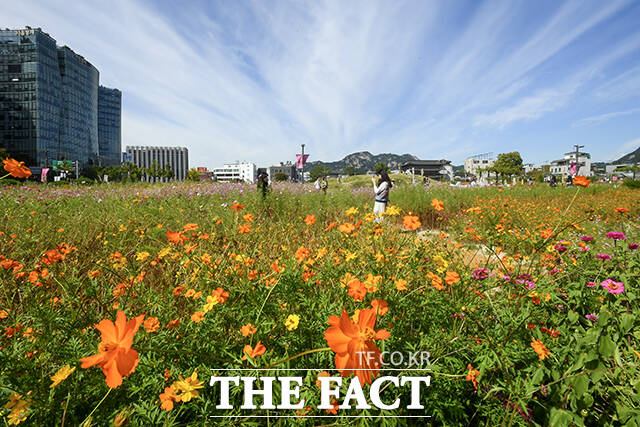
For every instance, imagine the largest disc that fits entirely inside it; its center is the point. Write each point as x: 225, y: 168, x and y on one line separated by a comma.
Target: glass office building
x: 48, y: 101
x: 30, y: 96
x: 109, y: 126
x: 79, y: 120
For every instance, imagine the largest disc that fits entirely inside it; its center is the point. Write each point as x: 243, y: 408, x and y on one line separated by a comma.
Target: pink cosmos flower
x: 592, y: 317
x: 587, y: 239
x: 633, y: 246
x: 613, y: 287
x: 480, y: 274
x: 591, y: 284
x: 603, y: 257
x: 616, y: 235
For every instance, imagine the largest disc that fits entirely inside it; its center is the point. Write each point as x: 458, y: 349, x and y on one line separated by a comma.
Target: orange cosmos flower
x: 322, y: 374
x: 248, y: 329
x: 258, y: 350
x: 115, y: 355
x: 347, y: 228
x: 151, y: 324
x: 248, y: 217
x: 540, y: 348
x: 546, y: 233
x: 197, y: 316
x: 176, y: 237
x: 354, y: 344
x: 437, y: 205
x: 245, y: 228
x: 436, y: 281
x: 310, y: 220
x: 168, y: 397
x: 380, y: 306
x: 581, y: 181
x: 451, y: 278
x: 16, y: 169
x: 472, y: 376
x: 357, y: 289
x: 401, y: 284
x: 622, y: 210
x: 190, y: 227
x: 237, y: 206
x: 330, y: 226
x: 411, y: 222
x: 302, y: 253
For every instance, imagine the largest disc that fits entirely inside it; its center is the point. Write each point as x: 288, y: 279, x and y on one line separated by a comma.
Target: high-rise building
x: 30, y: 96
x: 79, y: 124
x: 48, y: 100
x: 176, y: 158
x: 109, y: 126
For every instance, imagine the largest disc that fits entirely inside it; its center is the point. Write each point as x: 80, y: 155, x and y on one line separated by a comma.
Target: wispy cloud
x: 594, y: 120
x: 253, y: 80
x: 625, y: 148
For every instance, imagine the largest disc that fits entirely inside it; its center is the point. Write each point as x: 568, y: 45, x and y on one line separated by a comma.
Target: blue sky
x: 251, y: 80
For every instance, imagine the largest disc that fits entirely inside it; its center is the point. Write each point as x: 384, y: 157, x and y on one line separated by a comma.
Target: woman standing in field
x: 381, y: 190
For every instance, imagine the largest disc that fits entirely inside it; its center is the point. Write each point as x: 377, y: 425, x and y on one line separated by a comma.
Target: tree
x: 319, y: 171
x: 349, y: 171
x: 154, y: 171
x: 381, y: 167
x: 281, y: 176
x: 131, y: 172
x: 507, y: 164
x: 167, y: 172
x: 193, y: 175
x: 633, y: 169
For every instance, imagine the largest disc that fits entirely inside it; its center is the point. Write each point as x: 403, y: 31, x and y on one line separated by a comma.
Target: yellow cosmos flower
x: 62, y: 374
x: 188, y: 388
x: 141, y: 256
x: 292, y: 322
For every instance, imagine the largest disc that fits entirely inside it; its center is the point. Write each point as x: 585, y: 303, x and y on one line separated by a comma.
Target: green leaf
x: 537, y: 377
x: 580, y: 385
x: 606, y: 347
x: 572, y: 317
x: 559, y: 418
x: 626, y: 322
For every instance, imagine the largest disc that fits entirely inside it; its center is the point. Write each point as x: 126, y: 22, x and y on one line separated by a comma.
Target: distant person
x: 316, y: 184
x: 553, y: 181
x: 324, y: 184
x: 263, y: 184
x: 381, y: 190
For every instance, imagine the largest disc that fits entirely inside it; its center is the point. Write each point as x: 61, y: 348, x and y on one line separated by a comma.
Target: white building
x: 474, y: 165
x: 236, y: 172
x: 177, y: 158
x: 528, y: 167
x: 563, y: 166
x: 611, y: 170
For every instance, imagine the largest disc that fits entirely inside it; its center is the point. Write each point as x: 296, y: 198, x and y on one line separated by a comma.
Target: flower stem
x: 97, y: 406
x: 304, y: 353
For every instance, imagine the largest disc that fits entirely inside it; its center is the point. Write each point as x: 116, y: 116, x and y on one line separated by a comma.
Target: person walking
x: 263, y: 184
x: 324, y: 185
x: 381, y: 191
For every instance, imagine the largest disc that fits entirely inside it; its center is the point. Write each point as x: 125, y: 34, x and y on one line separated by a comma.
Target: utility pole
x: 578, y: 147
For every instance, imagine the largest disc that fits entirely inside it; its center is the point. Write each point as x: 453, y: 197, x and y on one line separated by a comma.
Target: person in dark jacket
x: 263, y: 184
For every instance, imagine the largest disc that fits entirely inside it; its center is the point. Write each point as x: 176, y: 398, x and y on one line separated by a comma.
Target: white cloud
x: 625, y: 148
x: 601, y: 118
x: 256, y: 79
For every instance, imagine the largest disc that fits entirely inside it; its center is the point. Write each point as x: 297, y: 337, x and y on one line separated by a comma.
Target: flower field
x: 118, y: 301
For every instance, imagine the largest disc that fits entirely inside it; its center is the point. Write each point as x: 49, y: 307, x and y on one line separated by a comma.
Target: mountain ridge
x: 633, y: 157
x: 364, y: 161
